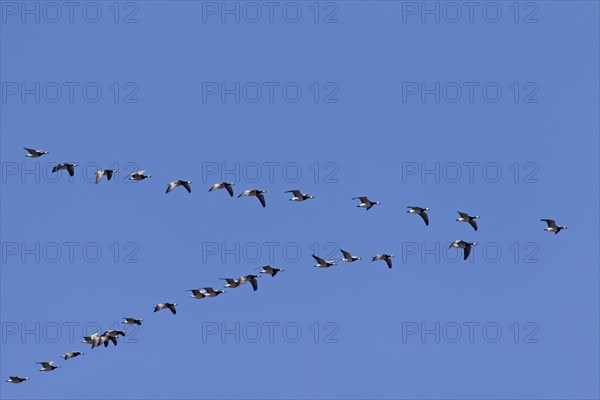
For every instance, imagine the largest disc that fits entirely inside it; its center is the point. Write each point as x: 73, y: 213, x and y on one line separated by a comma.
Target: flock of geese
x: 112, y: 335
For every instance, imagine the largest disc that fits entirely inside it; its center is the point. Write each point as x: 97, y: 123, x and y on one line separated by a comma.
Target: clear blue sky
x: 371, y: 61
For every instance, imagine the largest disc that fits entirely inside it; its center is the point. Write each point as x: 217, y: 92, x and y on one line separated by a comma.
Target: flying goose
x: 162, y: 306
x: 174, y: 184
x: 72, y: 354
x: 108, y: 172
x: 365, y: 202
x: 257, y: 193
x: 267, y: 269
x: 223, y: 185
x: 552, y: 227
x: 114, y: 332
x: 321, y: 263
x: 94, y: 339
x: 210, y: 292
x: 139, y: 176
x: 349, y: 257
x: 33, y: 153
x: 16, y: 379
x: 69, y: 167
x: 299, y: 196
x: 111, y: 335
x: 131, y: 321
x: 197, y: 293
x: 47, y: 366
x: 386, y: 257
x: 464, y: 217
x: 251, y: 279
x: 420, y: 211
x: 232, y: 283
x: 461, y: 244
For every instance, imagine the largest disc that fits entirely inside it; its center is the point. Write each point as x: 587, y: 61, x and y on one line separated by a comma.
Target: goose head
x: 475, y: 217
x: 427, y: 208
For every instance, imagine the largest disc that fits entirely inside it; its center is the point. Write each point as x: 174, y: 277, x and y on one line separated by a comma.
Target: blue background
x: 370, y: 134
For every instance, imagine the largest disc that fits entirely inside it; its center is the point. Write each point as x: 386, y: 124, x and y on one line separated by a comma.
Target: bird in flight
x: 71, y: 354
x: 162, y: 306
x: 210, y: 292
x: 108, y: 172
x: 385, y: 257
x: 365, y: 202
x: 464, y: 217
x: 421, y: 211
x: 250, y: 278
x: 223, y: 185
x: 257, y: 193
x: 33, y: 153
x: 47, y: 366
x: 461, y: 244
x: 69, y: 167
x: 552, y: 227
x: 139, y: 176
x: 232, y: 283
x: 299, y: 196
x: 131, y: 321
x: 321, y: 263
x: 174, y: 184
x: 267, y: 269
x: 349, y: 257
x: 16, y: 379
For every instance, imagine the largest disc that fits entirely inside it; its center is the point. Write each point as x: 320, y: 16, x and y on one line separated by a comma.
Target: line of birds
x: 112, y: 335
x: 97, y: 339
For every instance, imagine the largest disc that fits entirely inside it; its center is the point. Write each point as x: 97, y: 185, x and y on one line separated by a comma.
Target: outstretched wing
x: 463, y: 215
x: 467, y: 251
x: 187, y: 187
x: 425, y: 217
x: 473, y: 223
x: 99, y: 176
x: 346, y: 254
x: 254, y: 284
x: 388, y: 261
x: 551, y: 223
x: 172, y: 308
x: 171, y: 186
x: 262, y: 199
x: 229, y: 189
x: 319, y: 260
